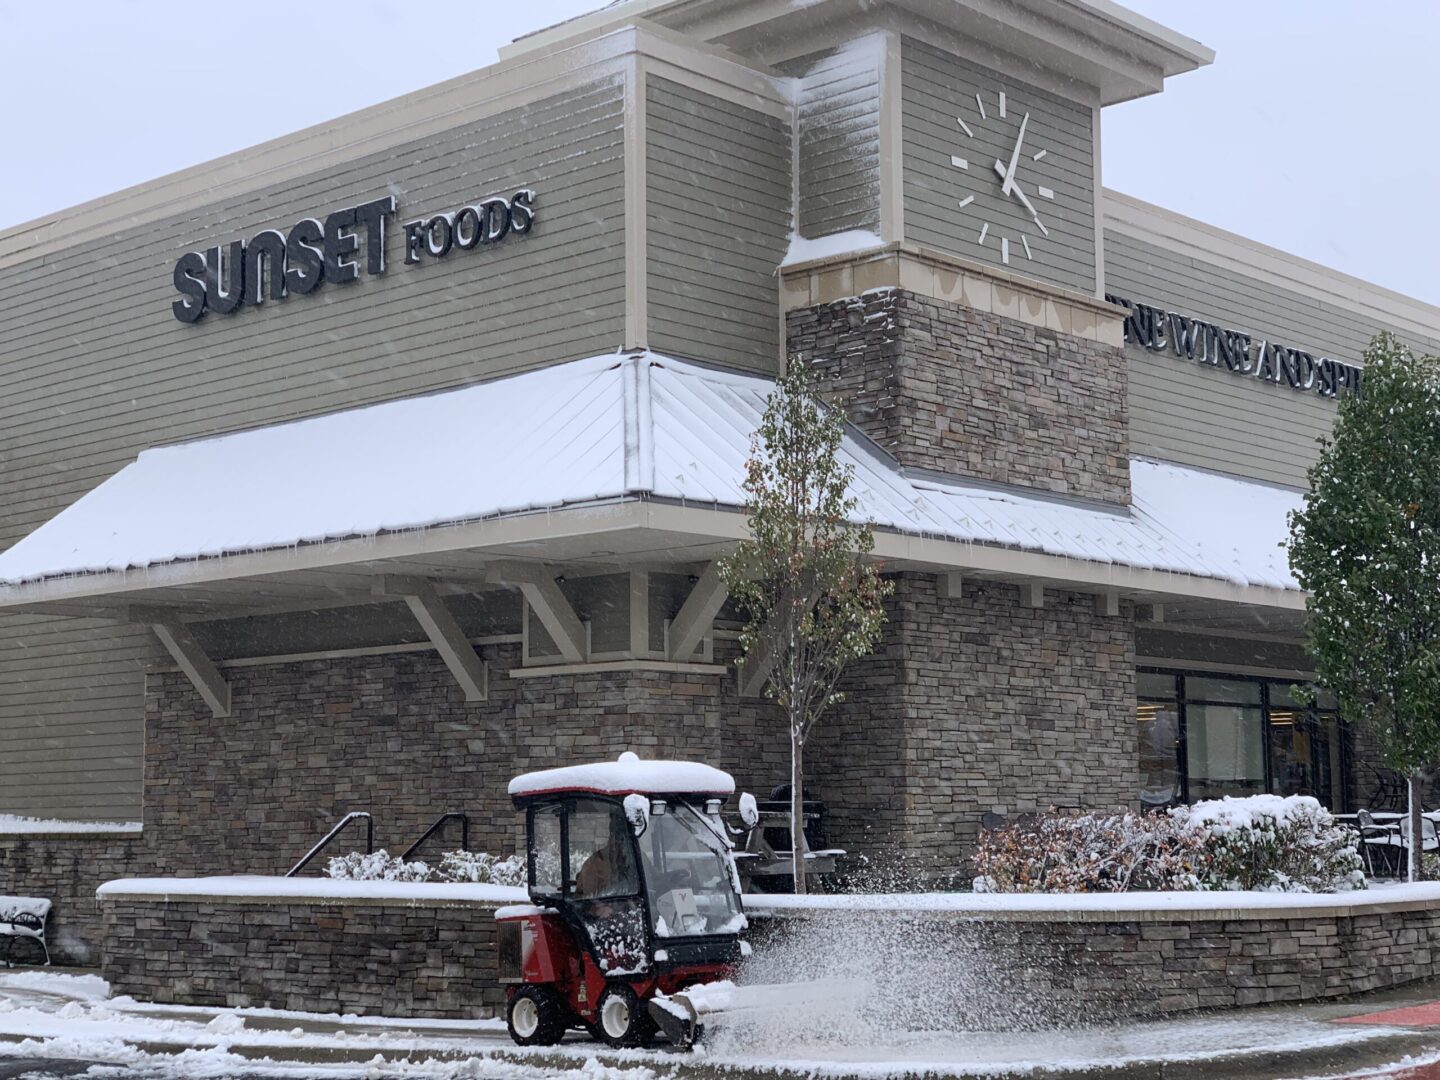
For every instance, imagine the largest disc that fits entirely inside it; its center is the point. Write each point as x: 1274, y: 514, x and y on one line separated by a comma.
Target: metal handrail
x: 339, y: 827
x: 464, y: 820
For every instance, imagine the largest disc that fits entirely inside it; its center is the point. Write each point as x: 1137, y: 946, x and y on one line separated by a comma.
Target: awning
x: 611, y: 457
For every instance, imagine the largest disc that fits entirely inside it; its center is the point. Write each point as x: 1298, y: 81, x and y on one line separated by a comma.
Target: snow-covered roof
x: 628, y: 775
x: 596, y: 431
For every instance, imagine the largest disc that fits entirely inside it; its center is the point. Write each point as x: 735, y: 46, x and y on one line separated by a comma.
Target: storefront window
x: 1224, y: 750
x: 1205, y: 736
x: 1158, y: 713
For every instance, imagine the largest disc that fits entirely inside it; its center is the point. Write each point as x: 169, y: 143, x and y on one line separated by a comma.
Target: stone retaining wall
x: 66, y: 868
x: 334, y: 956
x: 1068, y: 970
x: 988, y: 970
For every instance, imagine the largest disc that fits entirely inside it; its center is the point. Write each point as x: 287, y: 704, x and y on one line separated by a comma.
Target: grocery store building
x: 366, y: 468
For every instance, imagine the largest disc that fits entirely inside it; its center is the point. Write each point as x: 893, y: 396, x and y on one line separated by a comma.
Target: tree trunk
x: 797, y: 811
x: 1417, y: 834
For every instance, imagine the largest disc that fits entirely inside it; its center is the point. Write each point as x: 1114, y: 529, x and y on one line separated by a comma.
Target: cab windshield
x: 688, y: 875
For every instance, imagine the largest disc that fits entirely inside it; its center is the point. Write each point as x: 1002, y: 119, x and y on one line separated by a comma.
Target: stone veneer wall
x: 974, y: 704
x: 422, y: 959
x: 307, y: 742
x: 377, y: 959
x: 66, y: 868
x: 949, y: 388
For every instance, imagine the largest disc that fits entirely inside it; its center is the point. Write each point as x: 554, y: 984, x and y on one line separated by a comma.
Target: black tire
x: 621, y: 1018
x: 542, y: 1017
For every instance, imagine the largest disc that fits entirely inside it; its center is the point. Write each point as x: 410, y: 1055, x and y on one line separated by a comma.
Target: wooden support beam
x: 698, y: 613
x: 1110, y: 604
x: 537, y: 584
x: 198, y: 668
x: 1033, y: 593
x: 757, y: 667
x: 441, y: 627
x: 947, y: 586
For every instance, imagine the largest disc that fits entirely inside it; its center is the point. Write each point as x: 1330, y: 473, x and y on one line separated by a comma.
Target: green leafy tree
x: 1366, y: 547
x: 812, y: 599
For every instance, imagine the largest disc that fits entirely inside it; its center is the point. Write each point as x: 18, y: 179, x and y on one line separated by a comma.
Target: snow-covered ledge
x: 244, y: 889
x: 17, y: 825
x: 1111, y: 907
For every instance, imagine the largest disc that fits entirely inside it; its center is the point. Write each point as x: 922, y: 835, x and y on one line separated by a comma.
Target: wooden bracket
x: 198, y: 668
x: 697, y: 614
x: 537, y: 584
x: 440, y: 626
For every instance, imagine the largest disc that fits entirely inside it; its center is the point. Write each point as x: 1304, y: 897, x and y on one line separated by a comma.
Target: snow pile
x: 627, y: 775
x: 18, y: 825
x: 850, y: 242
x: 1269, y: 843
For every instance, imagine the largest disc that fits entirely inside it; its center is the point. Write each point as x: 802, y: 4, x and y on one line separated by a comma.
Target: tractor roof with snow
x: 634, y: 894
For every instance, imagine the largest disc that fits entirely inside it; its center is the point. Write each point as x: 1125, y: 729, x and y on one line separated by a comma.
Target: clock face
x: 988, y: 176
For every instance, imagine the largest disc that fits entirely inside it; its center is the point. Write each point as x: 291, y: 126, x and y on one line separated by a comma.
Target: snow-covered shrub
x: 1273, y: 844
x: 1072, y: 853
x: 377, y: 866
x: 482, y: 868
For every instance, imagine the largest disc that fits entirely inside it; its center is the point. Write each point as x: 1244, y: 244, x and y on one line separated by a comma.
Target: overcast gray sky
x: 1313, y: 131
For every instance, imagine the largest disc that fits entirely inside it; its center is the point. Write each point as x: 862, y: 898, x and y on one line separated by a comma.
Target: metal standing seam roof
x: 591, y: 431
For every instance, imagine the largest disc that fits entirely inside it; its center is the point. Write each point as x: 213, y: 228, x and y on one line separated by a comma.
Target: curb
x: 1259, y: 1064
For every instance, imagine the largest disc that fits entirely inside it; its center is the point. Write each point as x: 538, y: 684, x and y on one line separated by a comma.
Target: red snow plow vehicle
x: 634, y: 897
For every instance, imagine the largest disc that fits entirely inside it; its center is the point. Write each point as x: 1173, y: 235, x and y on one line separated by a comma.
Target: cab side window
x: 602, y: 851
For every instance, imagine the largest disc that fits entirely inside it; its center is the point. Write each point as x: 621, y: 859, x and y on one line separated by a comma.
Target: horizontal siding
x: 838, y: 130
x: 936, y: 88
x: 70, y: 724
x: 718, y: 195
x: 94, y: 369
x: 1209, y: 417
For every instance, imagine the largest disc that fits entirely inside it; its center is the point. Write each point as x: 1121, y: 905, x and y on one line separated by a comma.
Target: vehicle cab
x: 633, y: 892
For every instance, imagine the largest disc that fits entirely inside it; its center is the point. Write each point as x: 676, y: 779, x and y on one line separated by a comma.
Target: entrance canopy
x: 607, y: 461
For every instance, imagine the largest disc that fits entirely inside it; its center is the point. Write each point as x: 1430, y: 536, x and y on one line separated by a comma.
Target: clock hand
x: 1015, y: 190
x: 1014, y: 157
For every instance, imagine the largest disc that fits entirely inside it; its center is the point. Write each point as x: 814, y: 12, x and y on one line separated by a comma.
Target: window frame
x: 1340, y: 799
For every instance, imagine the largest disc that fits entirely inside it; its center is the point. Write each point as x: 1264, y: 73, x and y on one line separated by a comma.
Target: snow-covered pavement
x: 48, y: 1017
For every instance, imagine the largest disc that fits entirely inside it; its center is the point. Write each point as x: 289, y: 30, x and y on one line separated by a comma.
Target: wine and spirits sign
x: 1237, y: 352
x: 273, y: 265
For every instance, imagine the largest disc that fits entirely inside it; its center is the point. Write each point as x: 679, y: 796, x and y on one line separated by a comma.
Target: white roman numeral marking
x: 964, y: 126
x: 982, y: 106
x: 966, y: 201
x: 1002, y: 104
x: 1045, y: 192
x: 959, y: 162
x: 1026, y: 242
x: 984, y: 231
x: 1041, y: 154
x: 1005, y: 249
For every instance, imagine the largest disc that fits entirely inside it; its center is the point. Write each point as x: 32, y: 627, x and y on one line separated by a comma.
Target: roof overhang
x: 1095, y: 43
x: 600, y: 464
x: 645, y: 531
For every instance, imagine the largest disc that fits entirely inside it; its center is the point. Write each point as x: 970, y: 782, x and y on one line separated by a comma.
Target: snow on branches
x: 1263, y: 843
x: 471, y: 867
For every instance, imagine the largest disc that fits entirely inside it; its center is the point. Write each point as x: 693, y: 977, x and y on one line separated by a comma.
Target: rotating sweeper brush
x: 688, y: 1016
x: 635, y: 918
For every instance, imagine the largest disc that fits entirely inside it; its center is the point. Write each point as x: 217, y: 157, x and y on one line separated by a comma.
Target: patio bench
x: 23, y: 918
